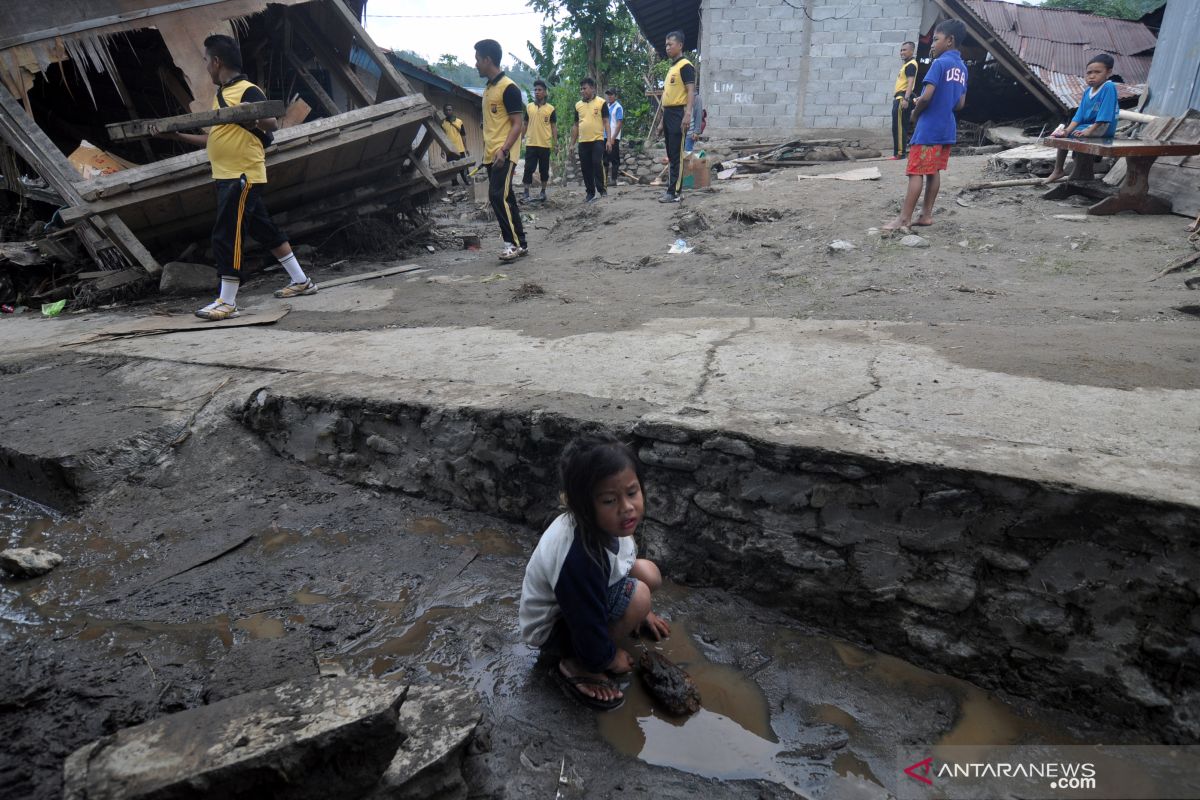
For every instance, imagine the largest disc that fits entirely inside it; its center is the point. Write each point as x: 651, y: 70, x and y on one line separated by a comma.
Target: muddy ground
x: 308, y: 569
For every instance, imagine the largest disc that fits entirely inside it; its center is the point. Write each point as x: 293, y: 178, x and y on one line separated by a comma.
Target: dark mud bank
x: 1084, y: 601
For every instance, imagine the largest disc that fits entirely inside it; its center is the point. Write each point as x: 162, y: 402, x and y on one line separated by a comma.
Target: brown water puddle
x: 488, y: 541
x: 131, y: 632
x: 276, y: 539
x: 730, y: 738
x: 418, y: 637
x: 983, y: 720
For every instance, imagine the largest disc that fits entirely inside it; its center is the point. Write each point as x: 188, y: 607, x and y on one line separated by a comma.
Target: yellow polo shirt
x: 674, y: 88
x: 591, y: 119
x: 540, y: 131
x: 902, y: 78
x: 501, y: 98
x: 454, y: 132
x: 234, y: 151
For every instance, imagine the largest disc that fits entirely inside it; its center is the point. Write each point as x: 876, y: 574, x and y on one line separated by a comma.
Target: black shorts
x: 536, y: 158
x: 240, y: 211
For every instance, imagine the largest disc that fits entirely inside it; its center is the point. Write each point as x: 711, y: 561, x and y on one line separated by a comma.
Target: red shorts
x: 927, y: 159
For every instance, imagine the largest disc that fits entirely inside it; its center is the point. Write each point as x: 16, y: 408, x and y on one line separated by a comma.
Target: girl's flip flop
x: 570, y: 686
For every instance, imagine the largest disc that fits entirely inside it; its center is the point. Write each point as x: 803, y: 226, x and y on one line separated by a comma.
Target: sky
x: 430, y: 28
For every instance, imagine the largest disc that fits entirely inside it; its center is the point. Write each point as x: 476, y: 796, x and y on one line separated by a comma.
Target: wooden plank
x: 1119, y: 148
x: 243, y: 112
x: 390, y: 77
x: 323, y: 98
x: 119, y: 234
x: 337, y: 64
x: 420, y: 166
x: 368, y: 276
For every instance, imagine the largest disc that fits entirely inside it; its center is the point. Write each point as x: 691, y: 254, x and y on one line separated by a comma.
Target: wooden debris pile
x: 755, y: 158
x: 361, y: 154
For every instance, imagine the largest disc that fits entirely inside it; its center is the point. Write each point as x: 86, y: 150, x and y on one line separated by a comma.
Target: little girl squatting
x: 585, y: 589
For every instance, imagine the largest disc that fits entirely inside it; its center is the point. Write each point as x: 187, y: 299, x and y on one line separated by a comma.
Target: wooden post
x: 332, y: 61
x: 389, y: 75
x: 323, y: 98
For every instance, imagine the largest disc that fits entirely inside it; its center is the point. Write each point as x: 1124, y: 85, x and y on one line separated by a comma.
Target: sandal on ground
x: 570, y: 686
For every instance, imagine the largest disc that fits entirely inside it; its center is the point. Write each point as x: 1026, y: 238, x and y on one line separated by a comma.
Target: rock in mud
x: 325, y: 738
x: 438, y: 722
x: 182, y: 277
x: 28, y: 562
x: 669, y: 684
x: 912, y: 240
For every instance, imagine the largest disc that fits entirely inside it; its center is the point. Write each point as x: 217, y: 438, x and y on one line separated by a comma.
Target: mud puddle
x: 488, y: 541
x: 729, y: 738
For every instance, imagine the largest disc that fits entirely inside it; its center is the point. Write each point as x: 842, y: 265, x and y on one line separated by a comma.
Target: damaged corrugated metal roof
x: 657, y: 18
x: 1056, y: 45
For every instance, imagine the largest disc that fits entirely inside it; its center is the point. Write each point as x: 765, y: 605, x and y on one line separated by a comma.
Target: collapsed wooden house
x: 69, y: 69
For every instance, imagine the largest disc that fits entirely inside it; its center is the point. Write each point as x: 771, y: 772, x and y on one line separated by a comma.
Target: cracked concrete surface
x: 779, y: 380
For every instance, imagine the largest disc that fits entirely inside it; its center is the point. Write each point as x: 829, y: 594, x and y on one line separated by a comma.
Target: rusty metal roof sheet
x: 1056, y: 45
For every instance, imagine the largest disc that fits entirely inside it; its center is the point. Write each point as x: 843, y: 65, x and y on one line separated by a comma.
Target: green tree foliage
x: 592, y: 21
x: 625, y: 63
x: 1119, y: 9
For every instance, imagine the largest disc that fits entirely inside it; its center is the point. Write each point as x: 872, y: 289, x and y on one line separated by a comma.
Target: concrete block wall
x: 769, y: 68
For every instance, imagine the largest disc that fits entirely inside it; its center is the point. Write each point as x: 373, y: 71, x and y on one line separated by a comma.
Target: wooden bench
x: 1134, y: 194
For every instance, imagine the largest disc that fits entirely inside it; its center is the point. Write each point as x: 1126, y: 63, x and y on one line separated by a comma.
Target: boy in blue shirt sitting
x: 1097, y: 114
x: 936, y: 129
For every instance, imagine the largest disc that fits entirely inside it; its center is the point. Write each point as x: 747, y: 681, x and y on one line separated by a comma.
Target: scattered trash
x: 912, y: 240
x: 53, y: 309
x: 842, y: 246
x: 7, y: 309
x: 1072, y: 217
x: 431, y: 248
x: 964, y: 243
x: 526, y: 291
x: 495, y: 276
x: 680, y: 246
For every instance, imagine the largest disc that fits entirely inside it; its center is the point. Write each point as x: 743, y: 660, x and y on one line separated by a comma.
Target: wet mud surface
x: 186, y: 587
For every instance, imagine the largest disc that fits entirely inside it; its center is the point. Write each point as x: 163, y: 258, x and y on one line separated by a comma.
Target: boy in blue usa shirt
x: 936, y: 129
x: 1097, y: 114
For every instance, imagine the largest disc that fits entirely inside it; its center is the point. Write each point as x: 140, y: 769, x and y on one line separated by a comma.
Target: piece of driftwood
x: 972, y: 187
x: 232, y: 115
x: 673, y: 688
x: 1179, y: 265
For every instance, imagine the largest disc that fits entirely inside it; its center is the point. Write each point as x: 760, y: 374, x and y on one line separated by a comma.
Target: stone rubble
x: 28, y: 562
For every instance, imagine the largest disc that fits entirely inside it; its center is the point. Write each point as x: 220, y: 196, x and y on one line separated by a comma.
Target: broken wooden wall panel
x: 304, y: 175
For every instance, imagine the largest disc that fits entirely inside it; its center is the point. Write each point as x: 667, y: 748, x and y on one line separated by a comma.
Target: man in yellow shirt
x: 239, y: 170
x: 679, y: 93
x: 591, y: 119
x: 541, y: 132
x: 902, y: 92
x: 456, y: 132
x: 502, y: 126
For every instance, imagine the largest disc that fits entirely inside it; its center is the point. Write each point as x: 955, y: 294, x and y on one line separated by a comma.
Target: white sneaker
x: 218, y: 310
x: 510, y: 253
